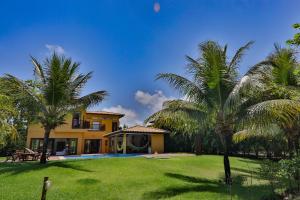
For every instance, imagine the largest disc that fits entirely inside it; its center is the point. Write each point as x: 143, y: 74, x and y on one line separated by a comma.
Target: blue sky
x: 126, y: 43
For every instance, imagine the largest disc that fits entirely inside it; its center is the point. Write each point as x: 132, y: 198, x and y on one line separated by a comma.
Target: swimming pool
x: 96, y: 156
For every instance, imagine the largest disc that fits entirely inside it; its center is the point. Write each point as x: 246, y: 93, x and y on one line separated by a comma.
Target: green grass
x: 132, y: 178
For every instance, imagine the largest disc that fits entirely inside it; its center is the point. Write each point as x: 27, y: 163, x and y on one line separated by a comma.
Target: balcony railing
x: 97, y: 127
x: 82, y: 124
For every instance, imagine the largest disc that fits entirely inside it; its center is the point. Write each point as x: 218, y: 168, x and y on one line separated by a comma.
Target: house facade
x: 96, y: 132
x: 83, y: 133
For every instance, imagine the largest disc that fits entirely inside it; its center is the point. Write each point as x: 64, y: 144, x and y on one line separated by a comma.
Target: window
x: 96, y: 126
x: 36, y: 144
x: 72, y: 146
x: 76, y: 120
x: 92, y: 146
x: 114, y: 126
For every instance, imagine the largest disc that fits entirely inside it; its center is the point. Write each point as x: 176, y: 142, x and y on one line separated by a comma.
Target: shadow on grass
x: 18, y: 168
x: 88, y: 181
x: 250, y: 161
x: 247, y: 172
x: 199, y: 185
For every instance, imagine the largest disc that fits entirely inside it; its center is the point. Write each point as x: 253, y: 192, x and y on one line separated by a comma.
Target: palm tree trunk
x: 226, y: 138
x: 43, y: 159
x: 227, y: 168
x: 290, y: 147
x: 296, y: 144
x: 198, y: 145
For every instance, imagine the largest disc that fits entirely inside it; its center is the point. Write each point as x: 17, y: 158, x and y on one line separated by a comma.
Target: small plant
x: 283, y: 175
x: 269, y: 171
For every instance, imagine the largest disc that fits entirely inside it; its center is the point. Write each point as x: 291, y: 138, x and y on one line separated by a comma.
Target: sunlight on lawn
x: 132, y: 178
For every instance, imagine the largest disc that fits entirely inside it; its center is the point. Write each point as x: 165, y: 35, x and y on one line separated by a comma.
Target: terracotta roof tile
x: 104, y: 113
x: 139, y: 129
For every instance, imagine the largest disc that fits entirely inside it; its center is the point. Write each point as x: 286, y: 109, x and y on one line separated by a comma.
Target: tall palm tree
x: 58, y: 93
x: 216, y: 97
x: 281, y: 80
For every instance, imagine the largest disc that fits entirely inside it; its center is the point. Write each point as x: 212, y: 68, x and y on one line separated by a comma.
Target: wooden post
x: 115, y: 144
x: 124, y: 143
x: 44, y: 192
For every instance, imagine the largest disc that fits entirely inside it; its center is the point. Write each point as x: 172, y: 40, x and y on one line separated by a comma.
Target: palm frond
x: 241, y: 136
x: 23, y: 88
x: 78, y: 83
x: 38, y: 70
x: 280, y: 111
x: 177, y: 121
x: 91, y: 99
x: 239, y: 54
x: 181, y: 115
x: 193, y: 110
x: 183, y: 85
x: 270, y: 131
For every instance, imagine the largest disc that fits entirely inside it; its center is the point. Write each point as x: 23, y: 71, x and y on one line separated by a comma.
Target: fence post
x: 44, y: 192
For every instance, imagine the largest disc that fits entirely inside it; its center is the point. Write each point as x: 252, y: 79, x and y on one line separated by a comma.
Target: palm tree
x: 58, y: 93
x: 216, y: 97
x: 280, y: 77
x: 178, y: 123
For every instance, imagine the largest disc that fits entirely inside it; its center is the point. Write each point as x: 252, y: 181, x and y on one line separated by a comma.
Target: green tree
x: 280, y: 79
x: 179, y: 123
x: 26, y: 111
x: 216, y: 97
x: 296, y: 39
x: 7, y: 111
x: 58, y: 93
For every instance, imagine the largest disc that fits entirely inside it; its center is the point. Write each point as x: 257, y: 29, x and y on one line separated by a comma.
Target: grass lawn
x: 132, y: 178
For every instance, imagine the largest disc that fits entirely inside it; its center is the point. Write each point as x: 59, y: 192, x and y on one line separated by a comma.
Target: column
x: 115, y: 144
x: 124, y: 143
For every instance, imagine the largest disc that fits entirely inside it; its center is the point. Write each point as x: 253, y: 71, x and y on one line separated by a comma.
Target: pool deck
x: 149, y: 156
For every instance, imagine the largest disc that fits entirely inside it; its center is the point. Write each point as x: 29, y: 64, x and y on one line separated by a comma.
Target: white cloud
x: 55, y: 48
x: 131, y: 118
x: 153, y: 101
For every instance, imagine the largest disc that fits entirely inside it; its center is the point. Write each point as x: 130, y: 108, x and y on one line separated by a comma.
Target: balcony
x: 82, y: 124
x: 97, y: 127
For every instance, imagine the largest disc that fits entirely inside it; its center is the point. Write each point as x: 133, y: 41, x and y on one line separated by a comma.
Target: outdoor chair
x: 33, y: 154
x: 11, y: 156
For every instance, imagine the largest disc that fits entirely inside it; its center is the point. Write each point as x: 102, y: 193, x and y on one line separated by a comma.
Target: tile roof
x: 139, y: 129
x: 104, y: 113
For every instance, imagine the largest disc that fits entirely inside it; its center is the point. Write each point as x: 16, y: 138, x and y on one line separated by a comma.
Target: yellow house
x: 90, y: 132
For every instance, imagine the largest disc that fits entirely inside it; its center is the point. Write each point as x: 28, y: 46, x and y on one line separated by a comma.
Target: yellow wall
x: 157, y: 143
x: 66, y: 131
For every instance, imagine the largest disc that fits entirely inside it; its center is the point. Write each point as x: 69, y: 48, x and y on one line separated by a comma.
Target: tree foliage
x: 58, y: 92
x: 296, y: 39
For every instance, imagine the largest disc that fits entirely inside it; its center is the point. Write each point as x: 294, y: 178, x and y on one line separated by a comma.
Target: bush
x: 283, y: 175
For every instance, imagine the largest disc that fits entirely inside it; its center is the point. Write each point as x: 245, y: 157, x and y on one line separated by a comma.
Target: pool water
x: 96, y: 156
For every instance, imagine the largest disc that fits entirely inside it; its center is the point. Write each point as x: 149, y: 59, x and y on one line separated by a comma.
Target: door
x: 92, y: 146
x: 60, y: 145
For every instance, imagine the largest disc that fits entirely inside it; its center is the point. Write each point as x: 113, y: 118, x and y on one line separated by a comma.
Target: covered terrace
x: 137, y: 139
